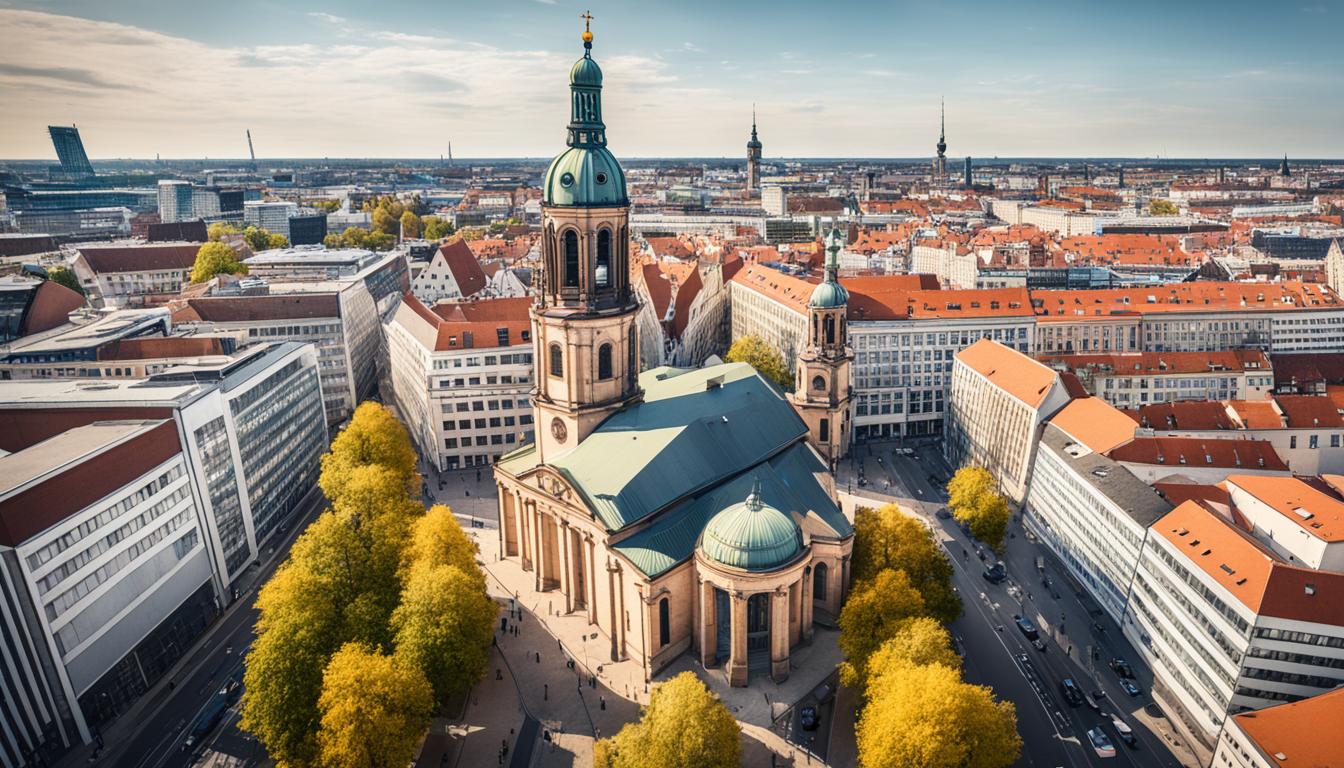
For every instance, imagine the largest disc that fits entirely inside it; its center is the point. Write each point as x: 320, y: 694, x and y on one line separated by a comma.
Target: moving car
x: 807, y: 717
x: 1027, y: 628
x: 1073, y: 695
x: 996, y: 573
x: 1130, y: 688
x: 1123, y: 730
x: 1121, y: 668
x: 1038, y: 645
x: 942, y: 513
x: 1100, y: 744
x: 210, y: 717
x: 1091, y: 702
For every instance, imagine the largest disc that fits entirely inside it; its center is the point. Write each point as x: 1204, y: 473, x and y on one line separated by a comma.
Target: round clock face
x: 558, y: 429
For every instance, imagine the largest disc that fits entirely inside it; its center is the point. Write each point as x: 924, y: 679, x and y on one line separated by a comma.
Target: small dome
x: 828, y: 295
x: 585, y: 72
x: 584, y: 176
x: 752, y: 535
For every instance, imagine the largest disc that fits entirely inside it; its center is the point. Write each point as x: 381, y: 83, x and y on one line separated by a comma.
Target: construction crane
x: 250, y: 150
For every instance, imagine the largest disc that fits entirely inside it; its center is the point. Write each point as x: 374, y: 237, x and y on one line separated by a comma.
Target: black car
x: 942, y: 513
x: 1027, y: 628
x: 995, y: 573
x: 1121, y: 668
x: 1073, y: 695
x: 807, y: 717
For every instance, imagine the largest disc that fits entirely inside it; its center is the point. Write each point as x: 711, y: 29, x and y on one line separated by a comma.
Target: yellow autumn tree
x: 764, y: 358
x: 438, y: 539
x: 924, y: 715
x: 373, y: 436
x: 921, y: 640
x: 887, y: 538
x: 684, y: 725
x: 444, y: 625
x: 974, y: 500
x: 216, y: 259
x: 873, y: 612
x: 374, y: 709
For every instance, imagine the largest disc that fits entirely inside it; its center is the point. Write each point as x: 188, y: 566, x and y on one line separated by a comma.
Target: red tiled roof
x: 140, y: 258
x: 659, y: 288
x: 1166, y: 363
x: 1195, y: 452
x: 1324, y: 514
x: 467, y: 324
x: 162, y: 347
x: 1179, y: 493
x: 246, y: 309
x: 1184, y: 297
x: 1257, y: 414
x: 1187, y: 414
x: 49, y: 307
x: 464, y: 265
x: 1010, y: 370
x: 1309, y: 411
x: 686, y: 293
x: 1299, y: 734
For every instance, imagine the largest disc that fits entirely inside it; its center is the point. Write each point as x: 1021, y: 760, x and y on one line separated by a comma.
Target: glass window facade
x: 212, y: 440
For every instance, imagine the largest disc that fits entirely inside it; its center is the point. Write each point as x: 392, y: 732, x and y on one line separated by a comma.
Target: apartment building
x: 462, y: 376
x: 1199, y: 461
x: 1088, y: 509
x: 999, y: 400
x: 1228, y: 625
x: 955, y: 264
x: 453, y: 273
x: 684, y: 317
x: 127, y: 511
x: 1134, y: 379
x: 136, y: 274
x: 1285, y: 735
x: 175, y: 201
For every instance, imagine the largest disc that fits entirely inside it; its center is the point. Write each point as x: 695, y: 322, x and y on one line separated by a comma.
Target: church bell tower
x: 753, y: 156
x: 821, y: 394
x: 583, y: 322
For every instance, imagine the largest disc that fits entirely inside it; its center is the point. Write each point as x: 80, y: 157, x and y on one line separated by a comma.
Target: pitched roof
x: 162, y: 347
x: 1020, y: 376
x: 1319, y: 515
x: 1299, y: 734
x: 1165, y: 363
x: 1302, y: 370
x: 49, y: 307
x: 464, y: 265
x: 1308, y: 411
x: 247, y: 309
x: 1200, y: 452
x: 686, y: 293
x: 1185, y: 414
x: 1095, y: 423
x: 478, y: 324
x: 140, y: 258
x: 1184, y: 297
x: 659, y: 288
x: 1257, y: 414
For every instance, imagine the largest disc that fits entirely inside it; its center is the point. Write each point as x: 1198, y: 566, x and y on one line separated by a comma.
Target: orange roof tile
x: 1095, y: 423
x: 1318, y: 514
x: 1025, y: 379
x: 1166, y: 363
x: 1184, y: 297
x: 1299, y: 734
x: 1197, y: 452
x: 1231, y: 558
x: 1257, y: 414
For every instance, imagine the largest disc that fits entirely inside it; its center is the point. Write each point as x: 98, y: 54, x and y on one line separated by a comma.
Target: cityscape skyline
x: 334, y: 81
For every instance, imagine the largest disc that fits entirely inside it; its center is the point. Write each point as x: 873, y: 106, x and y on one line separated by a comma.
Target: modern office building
x: 70, y: 151
x: 75, y: 223
x: 308, y: 230
x: 66, y: 349
x: 29, y: 306
x: 462, y: 376
x: 999, y: 400
x: 270, y: 215
x: 177, y: 201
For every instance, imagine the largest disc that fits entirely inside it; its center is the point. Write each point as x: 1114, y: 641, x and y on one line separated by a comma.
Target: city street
x: 998, y: 654
x: 168, y: 713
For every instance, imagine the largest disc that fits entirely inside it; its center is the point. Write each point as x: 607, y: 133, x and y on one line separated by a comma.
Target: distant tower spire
x: 450, y: 154
x: 753, y: 155
x: 1283, y: 167
x: 940, y: 162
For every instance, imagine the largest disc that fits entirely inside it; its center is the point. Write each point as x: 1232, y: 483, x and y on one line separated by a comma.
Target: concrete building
x: 175, y: 201
x: 306, y: 263
x: 955, y: 265
x: 1135, y: 379
x: 999, y: 400
x: 134, y: 275
x: 71, y: 349
x: 1298, y: 733
x: 462, y: 376
x: 270, y: 215
x: 29, y: 306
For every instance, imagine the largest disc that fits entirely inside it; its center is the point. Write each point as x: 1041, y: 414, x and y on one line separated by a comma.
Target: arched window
x: 819, y: 582
x: 818, y: 383
x: 604, y: 362
x: 664, y: 619
x: 603, y: 270
x: 557, y: 361
x: 829, y: 325
x: 571, y: 258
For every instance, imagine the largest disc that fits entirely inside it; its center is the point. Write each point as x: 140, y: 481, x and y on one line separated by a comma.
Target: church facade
x: 678, y: 510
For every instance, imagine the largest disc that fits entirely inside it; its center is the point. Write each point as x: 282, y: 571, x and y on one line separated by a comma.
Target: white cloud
x: 689, y: 46
x: 328, y: 17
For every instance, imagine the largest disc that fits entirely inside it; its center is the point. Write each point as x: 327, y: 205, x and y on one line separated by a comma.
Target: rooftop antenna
x: 250, y: 150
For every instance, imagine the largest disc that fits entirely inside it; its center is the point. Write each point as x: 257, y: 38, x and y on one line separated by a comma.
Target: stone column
x: 805, y: 607
x: 566, y: 575
x: 611, y: 603
x: 737, y: 659
x: 709, y: 635
x: 620, y: 616
x: 525, y: 533
x: 539, y: 549
x: 779, y: 636
x: 592, y: 582
x: 504, y: 503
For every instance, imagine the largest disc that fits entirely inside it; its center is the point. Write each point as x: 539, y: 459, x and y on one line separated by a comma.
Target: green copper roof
x: 585, y: 72
x: 752, y: 535
x: 584, y: 176
x: 829, y: 295
x: 788, y: 483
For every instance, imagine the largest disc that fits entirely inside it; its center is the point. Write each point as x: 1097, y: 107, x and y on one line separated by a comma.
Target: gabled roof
x: 1319, y: 515
x: 140, y: 258
x: 659, y: 288
x: 1257, y: 414
x: 246, y: 309
x: 686, y: 293
x: 1204, y: 415
x: 1020, y: 376
x: 1299, y: 734
x: 1094, y: 423
x: 1308, y: 411
x: 1195, y: 452
x: 464, y: 265
x: 693, y: 429
x: 466, y: 324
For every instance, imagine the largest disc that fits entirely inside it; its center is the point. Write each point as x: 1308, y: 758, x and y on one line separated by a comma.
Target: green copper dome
x: 752, y: 536
x: 828, y: 295
x: 586, y: 174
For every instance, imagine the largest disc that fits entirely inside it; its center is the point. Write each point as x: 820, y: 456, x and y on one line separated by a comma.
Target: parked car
x: 943, y: 514
x: 1027, y: 628
x: 1121, y: 668
x: 807, y: 717
x: 1130, y: 688
x: 1039, y: 645
x: 1123, y: 730
x: 1073, y: 695
x: 1100, y: 744
x: 995, y: 574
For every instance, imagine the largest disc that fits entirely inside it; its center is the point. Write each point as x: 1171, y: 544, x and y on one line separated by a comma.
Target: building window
x: 603, y: 271
x: 604, y: 362
x: 819, y: 582
x: 557, y: 361
x: 664, y: 620
x: 825, y: 431
x: 571, y: 258
x: 818, y: 383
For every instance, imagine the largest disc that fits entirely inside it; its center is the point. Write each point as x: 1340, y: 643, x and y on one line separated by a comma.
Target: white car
x: 1100, y: 744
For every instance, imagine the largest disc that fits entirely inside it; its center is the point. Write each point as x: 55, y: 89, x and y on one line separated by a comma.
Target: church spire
x: 586, y: 128
x: 942, y: 129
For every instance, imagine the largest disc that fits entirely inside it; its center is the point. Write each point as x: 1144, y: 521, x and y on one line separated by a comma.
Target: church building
x: 678, y: 510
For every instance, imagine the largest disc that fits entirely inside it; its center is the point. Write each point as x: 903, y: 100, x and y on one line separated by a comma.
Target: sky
x: 403, y: 78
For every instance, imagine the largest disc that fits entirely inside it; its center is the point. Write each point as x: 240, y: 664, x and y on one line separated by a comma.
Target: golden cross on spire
x: 587, y: 17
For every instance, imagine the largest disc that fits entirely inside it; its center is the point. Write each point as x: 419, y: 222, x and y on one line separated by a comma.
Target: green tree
x: 216, y: 259
x: 277, y: 241
x: 385, y: 221
x: 925, y: 715
x: 872, y: 614
x: 64, y: 276
x: 374, y: 708
x: 888, y: 538
x: 259, y: 239
x: 216, y: 231
x: 444, y: 626
x: 684, y: 725
x: 373, y: 436
x: 765, y: 359
x: 435, y: 228
x: 1163, y: 208
x: 989, y: 521
x: 410, y: 225
x: 921, y: 640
